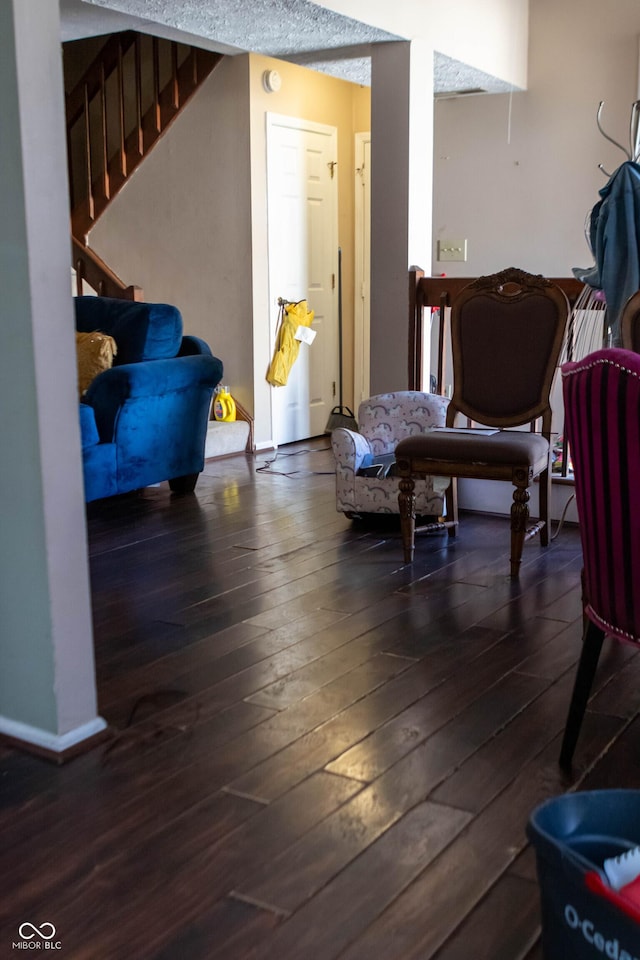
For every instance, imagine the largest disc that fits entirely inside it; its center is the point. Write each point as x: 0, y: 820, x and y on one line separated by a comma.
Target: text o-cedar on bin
x: 583, y: 918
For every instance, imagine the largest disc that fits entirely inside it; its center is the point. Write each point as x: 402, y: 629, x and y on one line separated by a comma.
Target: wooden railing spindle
x: 79, y: 269
x: 98, y: 107
x: 156, y: 85
x: 121, y: 118
x: 87, y: 136
x: 92, y: 270
x: 105, y: 148
x: 138, y: 55
x: 72, y: 185
x: 175, y: 89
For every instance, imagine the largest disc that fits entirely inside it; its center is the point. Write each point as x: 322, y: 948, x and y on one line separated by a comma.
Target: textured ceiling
x: 273, y: 27
x: 450, y: 77
x: 294, y: 30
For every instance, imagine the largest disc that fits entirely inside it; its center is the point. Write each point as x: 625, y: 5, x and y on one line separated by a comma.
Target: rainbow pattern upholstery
x: 383, y: 421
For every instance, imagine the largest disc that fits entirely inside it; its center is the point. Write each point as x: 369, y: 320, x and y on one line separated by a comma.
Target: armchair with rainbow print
x: 364, y: 461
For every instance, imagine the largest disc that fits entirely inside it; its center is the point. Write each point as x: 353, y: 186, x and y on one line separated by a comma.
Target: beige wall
x: 524, y: 202
x: 181, y: 227
x: 192, y: 220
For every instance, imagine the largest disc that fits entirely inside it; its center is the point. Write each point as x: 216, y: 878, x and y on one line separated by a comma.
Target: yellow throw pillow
x: 95, y: 353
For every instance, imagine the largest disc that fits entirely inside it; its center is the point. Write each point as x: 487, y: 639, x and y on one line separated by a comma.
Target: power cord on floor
x: 562, y: 518
x: 294, y: 474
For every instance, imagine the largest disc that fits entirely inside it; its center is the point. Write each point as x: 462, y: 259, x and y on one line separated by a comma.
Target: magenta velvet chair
x: 602, y: 421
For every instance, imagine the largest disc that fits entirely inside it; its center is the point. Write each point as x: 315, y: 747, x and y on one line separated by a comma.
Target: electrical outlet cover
x: 452, y: 250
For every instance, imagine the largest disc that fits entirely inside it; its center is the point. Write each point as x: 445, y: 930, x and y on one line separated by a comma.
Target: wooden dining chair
x: 602, y: 420
x: 506, y: 335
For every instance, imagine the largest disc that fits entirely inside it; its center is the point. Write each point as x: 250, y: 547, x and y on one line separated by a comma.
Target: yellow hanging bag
x: 292, y: 316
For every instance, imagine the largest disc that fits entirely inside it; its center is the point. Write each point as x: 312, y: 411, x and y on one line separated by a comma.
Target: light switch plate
x: 452, y: 250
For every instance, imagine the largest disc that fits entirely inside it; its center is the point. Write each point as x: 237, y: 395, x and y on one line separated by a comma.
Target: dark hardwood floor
x: 319, y: 753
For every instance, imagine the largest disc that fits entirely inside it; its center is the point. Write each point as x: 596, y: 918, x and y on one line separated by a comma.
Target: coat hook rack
x: 633, y: 153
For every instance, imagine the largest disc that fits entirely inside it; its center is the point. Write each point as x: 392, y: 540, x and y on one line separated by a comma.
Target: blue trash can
x: 583, y: 918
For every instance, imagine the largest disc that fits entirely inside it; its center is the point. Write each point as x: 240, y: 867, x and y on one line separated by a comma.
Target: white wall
x: 524, y: 202
x: 490, y: 35
x: 401, y: 151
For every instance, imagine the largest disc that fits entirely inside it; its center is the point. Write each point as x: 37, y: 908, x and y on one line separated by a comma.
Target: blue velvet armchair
x: 144, y: 420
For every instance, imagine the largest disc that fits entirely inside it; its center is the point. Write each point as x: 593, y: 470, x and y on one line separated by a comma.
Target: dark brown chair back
x: 506, y: 337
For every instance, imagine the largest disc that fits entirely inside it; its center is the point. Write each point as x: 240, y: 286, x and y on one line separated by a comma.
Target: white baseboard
x: 494, y: 496
x: 45, y: 740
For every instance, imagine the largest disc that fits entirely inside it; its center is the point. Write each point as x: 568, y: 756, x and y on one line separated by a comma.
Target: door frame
x: 362, y: 273
x: 331, y: 131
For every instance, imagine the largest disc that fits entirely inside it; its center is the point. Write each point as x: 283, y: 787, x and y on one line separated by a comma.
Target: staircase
x: 124, y: 101
x: 127, y: 97
x: 116, y: 112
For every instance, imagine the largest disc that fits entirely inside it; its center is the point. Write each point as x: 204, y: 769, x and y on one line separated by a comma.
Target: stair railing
x: 91, y: 270
x: 117, y: 111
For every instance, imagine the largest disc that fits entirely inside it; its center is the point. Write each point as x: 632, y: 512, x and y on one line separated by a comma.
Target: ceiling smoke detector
x: 271, y: 81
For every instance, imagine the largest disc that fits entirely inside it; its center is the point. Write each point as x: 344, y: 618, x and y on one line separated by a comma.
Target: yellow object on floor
x: 224, y: 406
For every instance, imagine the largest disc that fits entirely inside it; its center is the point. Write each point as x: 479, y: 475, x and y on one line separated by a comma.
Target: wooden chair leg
x: 591, y: 647
x: 451, y: 500
x: 407, y: 506
x: 519, y: 521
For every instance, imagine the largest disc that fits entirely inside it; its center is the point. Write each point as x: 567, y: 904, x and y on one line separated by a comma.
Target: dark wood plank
x: 619, y: 766
x: 229, y: 928
x: 484, y: 717
x: 183, y: 868
x: 426, y: 915
x: 44, y: 867
x: 319, y: 751
x: 299, y: 872
x: 504, y: 925
x: 422, y: 919
x: 314, y: 750
x: 497, y: 762
x: 97, y: 787
x: 330, y: 921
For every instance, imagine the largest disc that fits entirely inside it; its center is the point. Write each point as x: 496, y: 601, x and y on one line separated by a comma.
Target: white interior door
x: 303, y: 250
x: 361, y: 337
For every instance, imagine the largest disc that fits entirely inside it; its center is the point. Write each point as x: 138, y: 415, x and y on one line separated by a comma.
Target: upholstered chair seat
x: 506, y: 334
